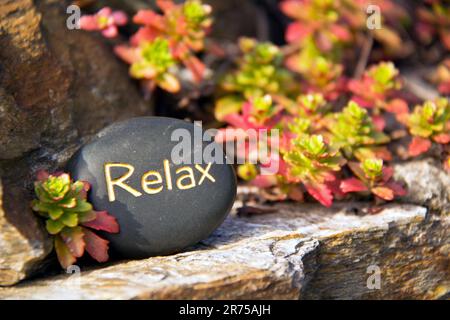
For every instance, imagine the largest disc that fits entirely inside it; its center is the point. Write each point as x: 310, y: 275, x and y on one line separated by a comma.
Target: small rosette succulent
x: 313, y: 162
x: 259, y: 72
x: 429, y: 123
x: 354, y: 132
x: 376, y: 88
x: 106, y: 20
x: 151, y: 62
x: 372, y: 177
x: 70, y: 218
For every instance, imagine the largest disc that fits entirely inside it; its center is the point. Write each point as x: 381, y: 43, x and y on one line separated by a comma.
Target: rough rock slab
x: 299, y: 252
x: 428, y: 184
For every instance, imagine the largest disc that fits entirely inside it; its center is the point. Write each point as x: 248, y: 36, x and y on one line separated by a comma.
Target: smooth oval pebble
x: 162, y: 207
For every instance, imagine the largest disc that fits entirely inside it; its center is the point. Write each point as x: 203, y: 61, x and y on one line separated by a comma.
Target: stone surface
x: 428, y: 184
x: 57, y: 87
x: 20, y: 246
x: 298, y: 252
x: 162, y: 204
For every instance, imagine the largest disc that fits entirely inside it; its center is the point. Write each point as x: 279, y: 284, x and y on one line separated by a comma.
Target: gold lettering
x: 189, y: 175
x: 167, y: 174
x: 205, y: 173
x: 145, y: 183
x: 110, y: 183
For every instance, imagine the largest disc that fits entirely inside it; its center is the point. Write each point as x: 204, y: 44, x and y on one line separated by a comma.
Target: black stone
x: 164, y: 222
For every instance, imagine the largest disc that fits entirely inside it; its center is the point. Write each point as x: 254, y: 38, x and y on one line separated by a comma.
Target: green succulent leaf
x: 54, y: 226
x: 227, y: 105
x: 55, y: 212
x: 430, y: 119
x: 353, y: 128
x: 372, y: 168
x: 86, y: 216
x: 69, y: 219
x: 63, y: 203
x: 259, y: 71
x: 311, y: 160
x: 81, y: 206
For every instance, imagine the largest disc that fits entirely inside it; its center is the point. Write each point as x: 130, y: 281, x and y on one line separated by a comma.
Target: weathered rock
x: 428, y: 184
x: 301, y: 251
x: 23, y: 241
x: 57, y: 87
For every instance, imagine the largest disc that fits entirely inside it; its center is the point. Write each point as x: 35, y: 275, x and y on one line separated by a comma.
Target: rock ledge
x: 300, y: 252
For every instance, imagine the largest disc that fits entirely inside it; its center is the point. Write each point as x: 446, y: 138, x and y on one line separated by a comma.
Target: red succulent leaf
x: 237, y: 121
x: 357, y: 170
x: 104, y: 222
x: 334, y: 186
x: 444, y: 88
x: 96, y: 246
x: 110, y: 32
x: 442, y: 138
x: 388, y: 172
x: 397, y: 106
x: 324, y: 42
x: 352, y: 185
x: 379, y: 122
x: 445, y: 38
x: 73, y: 239
x: 361, y: 101
x: 42, y: 175
x: 144, y: 34
x: 264, y: 181
x: 291, y: 7
x: 89, y: 23
x: 150, y: 18
x: 397, y: 188
x: 382, y: 153
x: 321, y: 193
x: 127, y: 54
x: 341, y: 32
x: 296, y: 32
x: 86, y: 188
x: 65, y: 257
x: 120, y: 18
x: 165, y: 5
x: 384, y: 193
x: 418, y: 145
x: 196, y: 67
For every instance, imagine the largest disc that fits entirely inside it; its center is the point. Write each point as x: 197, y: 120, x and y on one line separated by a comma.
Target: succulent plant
x: 184, y: 26
x: 376, y: 88
x: 327, y: 28
x: 167, y: 40
x: 70, y: 218
x: 259, y: 73
x: 354, y: 132
x: 313, y: 162
x: 433, y: 20
x: 106, y: 20
x: 429, y: 122
x: 372, y: 177
x: 151, y: 61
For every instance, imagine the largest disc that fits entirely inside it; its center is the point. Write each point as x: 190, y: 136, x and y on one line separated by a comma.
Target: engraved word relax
x: 152, y: 182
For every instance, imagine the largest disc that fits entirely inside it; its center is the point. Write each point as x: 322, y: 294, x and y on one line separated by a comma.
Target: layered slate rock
x: 57, y: 88
x: 428, y: 184
x: 298, y: 252
x: 20, y: 246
